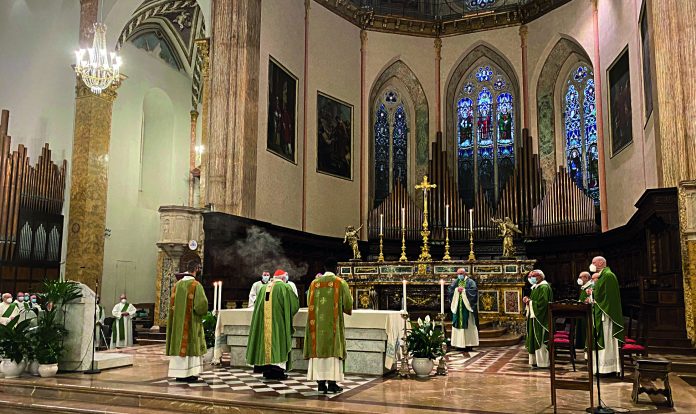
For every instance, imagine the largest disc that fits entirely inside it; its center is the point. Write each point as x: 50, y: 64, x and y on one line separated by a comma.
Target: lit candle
x: 442, y: 296
x: 403, y: 218
x: 215, y: 296
x: 471, y: 219
x: 381, y: 224
x: 220, y: 296
x: 404, y: 307
x: 447, y: 215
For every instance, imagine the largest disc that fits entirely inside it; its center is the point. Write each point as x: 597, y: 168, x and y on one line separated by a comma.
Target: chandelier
x: 97, y: 68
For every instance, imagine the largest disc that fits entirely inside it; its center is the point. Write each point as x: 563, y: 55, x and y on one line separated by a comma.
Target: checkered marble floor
x: 244, y: 380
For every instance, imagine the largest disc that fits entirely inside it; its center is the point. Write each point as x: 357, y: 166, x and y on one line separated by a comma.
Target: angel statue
x: 352, y: 235
x: 507, y: 228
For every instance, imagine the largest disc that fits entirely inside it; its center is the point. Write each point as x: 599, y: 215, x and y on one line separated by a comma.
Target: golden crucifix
x: 425, y: 250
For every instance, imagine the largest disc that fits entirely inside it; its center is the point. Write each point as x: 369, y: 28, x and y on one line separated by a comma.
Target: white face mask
x: 20, y: 299
x: 26, y: 298
x: 9, y: 300
x: 265, y: 279
x: 580, y: 282
x: 124, y: 301
x: 286, y: 278
x: 593, y: 268
x: 533, y: 280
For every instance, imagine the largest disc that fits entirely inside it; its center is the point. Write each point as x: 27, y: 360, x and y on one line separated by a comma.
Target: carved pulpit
x: 180, y: 242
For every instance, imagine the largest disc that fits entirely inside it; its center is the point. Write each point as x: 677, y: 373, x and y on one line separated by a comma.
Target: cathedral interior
x: 405, y: 138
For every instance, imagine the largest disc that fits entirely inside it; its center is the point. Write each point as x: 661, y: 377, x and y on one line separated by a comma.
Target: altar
x: 378, y: 285
x: 371, y: 339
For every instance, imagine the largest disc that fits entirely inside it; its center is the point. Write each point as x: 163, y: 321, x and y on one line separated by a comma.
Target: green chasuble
x: 270, y: 333
x: 460, y: 319
x: 607, y: 300
x: 10, y: 309
x: 538, y: 327
x: 329, y: 299
x: 121, y: 325
x: 188, y: 305
x: 581, y: 326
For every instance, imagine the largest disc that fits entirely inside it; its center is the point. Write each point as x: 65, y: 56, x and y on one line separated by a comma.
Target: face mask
x: 26, y: 298
x: 33, y: 301
x: 580, y: 282
x: 593, y: 268
x: 9, y: 300
x: 20, y: 299
x: 533, y: 280
x: 286, y: 278
x: 460, y: 277
x: 123, y: 301
x: 265, y: 279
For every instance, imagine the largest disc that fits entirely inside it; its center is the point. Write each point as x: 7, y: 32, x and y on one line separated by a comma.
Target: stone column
x: 308, y: 4
x: 192, y: 157
x: 438, y: 89
x: 363, y: 133
x: 600, y: 120
x: 88, y: 184
x: 203, y: 48
x: 525, y: 75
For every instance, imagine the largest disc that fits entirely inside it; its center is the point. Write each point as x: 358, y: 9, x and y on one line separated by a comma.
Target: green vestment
x: 270, y: 333
x: 121, y: 325
x: 188, y: 305
x: 329, y: 299
x: 607, y: 301
x: 10, y: 309
x: 581, y: 325
x: 538, y: 327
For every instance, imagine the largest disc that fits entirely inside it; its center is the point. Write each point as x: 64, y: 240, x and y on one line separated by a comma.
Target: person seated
x: 8, y: 309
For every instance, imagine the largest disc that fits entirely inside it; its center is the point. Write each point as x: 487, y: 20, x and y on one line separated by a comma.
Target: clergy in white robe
x: 256, y: 287
x: 122, y: 328
x: 287, y: 280
x: 464, y: 307
x: 24, y: 307
x: 537, y: 320
x: 8, y: 309
x: 608, y: 317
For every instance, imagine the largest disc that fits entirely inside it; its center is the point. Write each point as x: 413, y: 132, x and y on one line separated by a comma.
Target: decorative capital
x: 524, y: 30
x: 194, y: 115
x: 307, y: 6
x: 363, y: 38
x: 203, y: 46
x: 438, y: 47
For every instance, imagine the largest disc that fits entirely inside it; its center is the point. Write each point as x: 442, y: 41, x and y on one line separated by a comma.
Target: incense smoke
x: 262, y: 252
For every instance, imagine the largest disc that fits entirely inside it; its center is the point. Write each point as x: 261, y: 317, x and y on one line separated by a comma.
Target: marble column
x: 687, y: 230
x: 204, y: 49
x: 88, y: 184
x: 438, y: 89
x: 600, y: 120
x: 363, y: 133
x: 192, y: 157
x: 234, y: 93
x: 525, y: 75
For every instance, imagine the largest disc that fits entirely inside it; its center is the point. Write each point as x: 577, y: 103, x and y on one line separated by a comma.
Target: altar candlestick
x: 447, y: 215
x: 381, y: 224
x: 471, y: 219
x: 220, y: 296
x: 442, y: 296
x: 215, y: 296
x: 404, y: 282
x: 403, y: 218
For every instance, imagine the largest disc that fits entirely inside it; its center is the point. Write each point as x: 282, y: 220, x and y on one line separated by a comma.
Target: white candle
x: 403, y: 218
x: 381, y: 224
x: 447, y: 215
x: 215, y: 296
x: 471, y: 219
x: 220, y: 297
x: 404, y: 307
x: 442, y: 296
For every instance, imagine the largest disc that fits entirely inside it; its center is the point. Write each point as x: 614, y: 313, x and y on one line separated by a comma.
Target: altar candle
x: 403, y: 218
x: 404, y: 307
x: 471, y: 219
x: 447, y: 215
x: 220, y: 296
x: 215, y: 296
x: 381, y: 224
x: 442, y: 296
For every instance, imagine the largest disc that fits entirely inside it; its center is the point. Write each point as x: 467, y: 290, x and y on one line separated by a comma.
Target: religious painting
x: 620, y: 125
x: 334, y: 137
x: 647, y: 78
x: 512, y: 301
x: 488, y: 301
x: 282, y: 111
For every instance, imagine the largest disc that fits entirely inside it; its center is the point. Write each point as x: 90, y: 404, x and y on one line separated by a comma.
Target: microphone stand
x: 599, y: 409
x: 93, y: 369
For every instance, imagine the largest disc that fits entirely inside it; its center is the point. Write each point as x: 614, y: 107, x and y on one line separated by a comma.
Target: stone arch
x: 547, y: 103
x: 400, y: 75
x: 466, y: 63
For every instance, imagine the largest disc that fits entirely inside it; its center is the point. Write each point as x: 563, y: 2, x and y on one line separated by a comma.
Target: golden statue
x: 507, y: 228
x: 351, y: 237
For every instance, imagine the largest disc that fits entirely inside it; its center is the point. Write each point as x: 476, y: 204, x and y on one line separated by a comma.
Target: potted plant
x: 424, y: 343
x: 209, y: 324
x: 48, y: 343
x: 13, y: 347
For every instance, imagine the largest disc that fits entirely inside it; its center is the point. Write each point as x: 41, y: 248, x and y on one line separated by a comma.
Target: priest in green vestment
x: 270, y: 333
x: 464, y: 307
x: 122, y: 327
x: 185, y: 337
x: 538, y: 320
x: 585, y: 283
x: 325, y: 338
x: 8, y: 309
x: 608, y: 317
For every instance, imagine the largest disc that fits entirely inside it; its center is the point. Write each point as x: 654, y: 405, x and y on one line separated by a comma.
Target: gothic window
x: 580, y: 126
x: 485, y: 133
x: 391, y: 144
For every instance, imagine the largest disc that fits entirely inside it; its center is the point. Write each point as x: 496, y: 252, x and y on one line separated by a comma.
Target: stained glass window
x: 580, y: 126
x: 391, y: 145
x: 486, y: 133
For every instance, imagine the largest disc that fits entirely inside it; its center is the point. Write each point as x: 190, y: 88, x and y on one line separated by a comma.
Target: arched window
x: 391, y: 144
x: 485, y: 133
x: 580, y: 126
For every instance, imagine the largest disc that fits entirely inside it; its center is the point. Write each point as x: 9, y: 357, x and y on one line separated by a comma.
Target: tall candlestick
x: 442, y: 296
x: 220, y: 296
x: 215, y: 296
x: 404, y: 282
x: 403, y: 218
x: 471, y: 219
x: 447, y: 215
x: 381, y: 224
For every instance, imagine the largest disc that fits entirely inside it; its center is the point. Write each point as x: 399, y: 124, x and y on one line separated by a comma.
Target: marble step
x: 492, y: 332
x: 144, y: 342
x: 26, y: 404
x: 508, y: 339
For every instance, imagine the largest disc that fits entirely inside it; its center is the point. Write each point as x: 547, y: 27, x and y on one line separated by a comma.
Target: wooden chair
x: 564, y: 340
x: 636, y: 337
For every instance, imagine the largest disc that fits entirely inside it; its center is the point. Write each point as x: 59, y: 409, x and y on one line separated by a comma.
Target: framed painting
x: 647, y: 72
x: 620, y: 119
x: 334, y: 137
x: 282, y: 111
